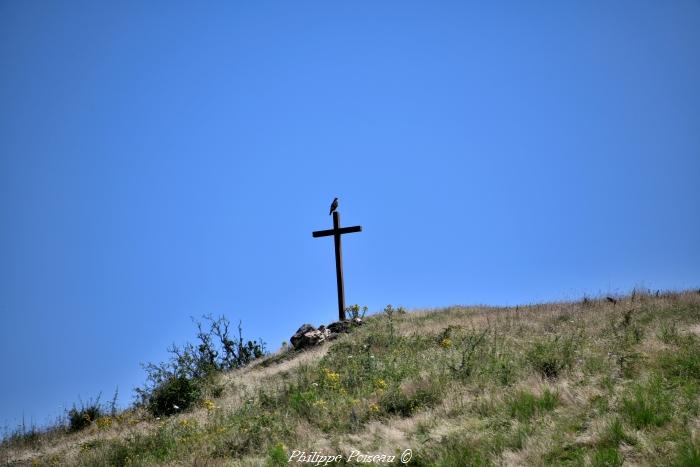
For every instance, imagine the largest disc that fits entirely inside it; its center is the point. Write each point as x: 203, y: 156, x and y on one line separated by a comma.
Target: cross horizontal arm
x: 344, y: 230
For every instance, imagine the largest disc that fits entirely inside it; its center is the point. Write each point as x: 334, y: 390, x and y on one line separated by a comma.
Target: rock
x: 308, y: 336
x: 344, y: 326
x: 339, y: 326
x: 303, y: 329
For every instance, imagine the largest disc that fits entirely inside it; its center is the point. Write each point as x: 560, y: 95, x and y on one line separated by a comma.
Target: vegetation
x: 191, y: 372
x: 595, y: 382
x: 79, y: 418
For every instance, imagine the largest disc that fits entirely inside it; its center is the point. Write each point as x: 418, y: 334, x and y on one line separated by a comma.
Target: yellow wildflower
x: 209, y: 404
x: 331, y: 378
x: 104, y: 422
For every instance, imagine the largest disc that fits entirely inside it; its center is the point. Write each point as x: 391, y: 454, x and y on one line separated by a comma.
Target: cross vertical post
x: 339, y: 266
x: 336, y: 232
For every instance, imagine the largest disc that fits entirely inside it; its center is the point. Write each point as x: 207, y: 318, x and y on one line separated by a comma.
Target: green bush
x: 550, y: 357
x: 175, y: 394
x: 175, y: 385
x: 79, y: 418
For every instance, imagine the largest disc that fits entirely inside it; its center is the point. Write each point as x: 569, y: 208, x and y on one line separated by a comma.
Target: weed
x: 525, y: 405
x: 566, y: 454
x: 353, y: 311
x: 683, y: 363
x: 175, y: 394
x: 472, y: 376
x: 390, y: 312
x: 467, y: 347
x: 405, y: 402
x: 277, y: 456
x: 688, y: 454
x: 614, y: 434
x: 648, y: 405
x: 668, y: 333
x: 177, y: 384
x: 504, y: 370
x: 455, y: 451
x: 79, y: 418
x: 550, y: 357
x: 607, y: 457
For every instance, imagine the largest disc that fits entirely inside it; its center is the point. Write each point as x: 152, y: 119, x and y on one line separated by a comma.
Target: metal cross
x: 336, y: 231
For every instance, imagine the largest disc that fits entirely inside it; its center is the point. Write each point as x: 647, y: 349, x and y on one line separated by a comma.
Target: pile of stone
x: 308, y: 336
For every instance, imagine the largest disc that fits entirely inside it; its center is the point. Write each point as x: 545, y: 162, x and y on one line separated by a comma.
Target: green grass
x: 607, y: 457
x: 648, y: 405
x: 688, y: 454
x: 525, y: 405
x: 554, y: 384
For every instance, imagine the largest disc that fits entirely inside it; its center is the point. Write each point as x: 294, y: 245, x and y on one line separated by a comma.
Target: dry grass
x: 559, y: 383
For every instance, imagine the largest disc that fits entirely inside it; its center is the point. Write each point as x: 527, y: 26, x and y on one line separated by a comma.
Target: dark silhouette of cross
x: 336, y: 231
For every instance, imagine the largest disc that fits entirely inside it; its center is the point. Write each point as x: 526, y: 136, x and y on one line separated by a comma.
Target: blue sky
x: 161, y: 160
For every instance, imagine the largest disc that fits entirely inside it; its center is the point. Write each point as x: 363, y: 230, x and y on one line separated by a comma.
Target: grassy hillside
x: 584, y: 383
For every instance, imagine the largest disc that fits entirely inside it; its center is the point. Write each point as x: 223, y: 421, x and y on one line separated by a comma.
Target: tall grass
x: 591, y: 383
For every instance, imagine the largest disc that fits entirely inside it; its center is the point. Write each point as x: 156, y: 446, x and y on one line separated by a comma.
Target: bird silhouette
x: 334, y: 206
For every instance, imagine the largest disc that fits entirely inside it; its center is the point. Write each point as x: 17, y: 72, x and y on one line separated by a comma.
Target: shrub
x: 467, y: 345
x: 549, y: 358
x: 180, y: 382
x: 173, y: 395
x: 85, y: 415
x: 390, y: 311
x: 503, y: 370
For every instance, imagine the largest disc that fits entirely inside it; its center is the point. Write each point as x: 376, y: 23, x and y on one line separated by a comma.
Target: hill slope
x: 584, y: 383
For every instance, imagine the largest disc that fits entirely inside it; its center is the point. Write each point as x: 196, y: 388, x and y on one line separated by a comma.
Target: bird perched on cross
x: 334, y: 206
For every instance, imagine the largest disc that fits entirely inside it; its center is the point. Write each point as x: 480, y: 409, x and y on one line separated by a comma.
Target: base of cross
x: 308, y: 336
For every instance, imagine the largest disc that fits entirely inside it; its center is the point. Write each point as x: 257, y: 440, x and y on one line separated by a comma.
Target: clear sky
x: 161, y: 160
